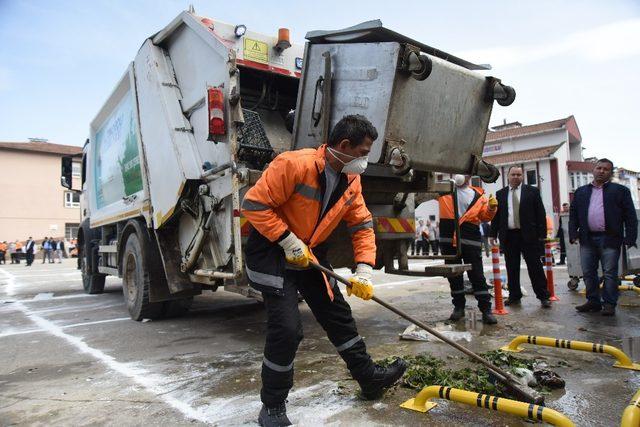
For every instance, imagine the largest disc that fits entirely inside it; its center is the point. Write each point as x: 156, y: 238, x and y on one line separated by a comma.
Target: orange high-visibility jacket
x: 288, y: 197
x: 477, y: 212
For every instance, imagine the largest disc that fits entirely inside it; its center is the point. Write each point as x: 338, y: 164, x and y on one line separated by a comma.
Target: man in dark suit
x: 602, y: 218
x: 521, y: 226
x: 29, y: 249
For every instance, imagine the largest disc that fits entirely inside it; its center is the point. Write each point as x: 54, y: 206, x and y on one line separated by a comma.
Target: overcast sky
x: 59, y: 60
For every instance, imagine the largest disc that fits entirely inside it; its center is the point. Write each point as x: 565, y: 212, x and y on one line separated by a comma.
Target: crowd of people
x: 50, y: 248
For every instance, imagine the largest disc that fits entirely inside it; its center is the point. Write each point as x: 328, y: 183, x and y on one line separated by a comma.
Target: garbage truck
x: 204, y: 107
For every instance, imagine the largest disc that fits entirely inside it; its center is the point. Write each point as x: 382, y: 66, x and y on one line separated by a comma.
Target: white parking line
x: 139, y: 376
x: 73, y: 325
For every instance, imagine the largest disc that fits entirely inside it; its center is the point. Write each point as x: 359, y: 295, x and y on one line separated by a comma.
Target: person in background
x: 29, y: 249
x: 3, y: 250
x: 560, y: 235
x: 12, y: 252
x: 19, y: 251
x: 421, y: 229
x: 437, y: 235
x: 473, y: 208
x: 485, y: 230
x: 46, y: 249
x: 60, y: 250
x: 602, y: 218
x: 522, y: 227
x: 414, y: 243
x: 431, y: 242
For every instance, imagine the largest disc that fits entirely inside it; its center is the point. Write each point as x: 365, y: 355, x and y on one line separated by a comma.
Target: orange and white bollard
x: 548, y: 263
x: 497, y: 282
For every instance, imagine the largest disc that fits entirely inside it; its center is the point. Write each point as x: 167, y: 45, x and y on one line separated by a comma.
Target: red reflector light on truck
x: 215, y: 99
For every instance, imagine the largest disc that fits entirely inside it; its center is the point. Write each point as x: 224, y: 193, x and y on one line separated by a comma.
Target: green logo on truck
x: 117, y: 172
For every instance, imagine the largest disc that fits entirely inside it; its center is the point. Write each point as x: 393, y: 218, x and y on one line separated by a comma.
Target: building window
x: 71, y: 199
x: 71, y: 231
x: 532, y: 178
x: 76, y: 169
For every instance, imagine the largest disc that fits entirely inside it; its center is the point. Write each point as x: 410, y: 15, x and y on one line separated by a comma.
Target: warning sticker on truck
x: 256, y: 51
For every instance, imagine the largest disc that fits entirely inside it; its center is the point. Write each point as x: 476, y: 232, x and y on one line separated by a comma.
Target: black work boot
x: 457, y: 314
x: 608, y: 310
x: 382, y: 379
x: 588, y: 307
x: 488, y: 318
x: 274, y: 417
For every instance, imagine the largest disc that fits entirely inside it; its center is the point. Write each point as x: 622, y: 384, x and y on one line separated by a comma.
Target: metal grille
x: 254, y: 146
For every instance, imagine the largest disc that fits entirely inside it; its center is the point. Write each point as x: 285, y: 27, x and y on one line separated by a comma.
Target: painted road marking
x: 73, y: 325
x: 139, y: 376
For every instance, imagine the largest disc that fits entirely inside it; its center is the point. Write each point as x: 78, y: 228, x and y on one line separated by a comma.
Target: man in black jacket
x: 602, y: 218
x: 521, y: 226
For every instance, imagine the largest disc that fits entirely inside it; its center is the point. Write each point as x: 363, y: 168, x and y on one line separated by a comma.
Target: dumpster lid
x: 373, y: 32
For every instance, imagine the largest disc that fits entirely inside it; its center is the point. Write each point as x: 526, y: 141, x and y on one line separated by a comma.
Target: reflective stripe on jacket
x: 477, y: 212
x: 288, y: 197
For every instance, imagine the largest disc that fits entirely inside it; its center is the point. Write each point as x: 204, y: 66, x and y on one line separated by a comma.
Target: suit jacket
x: 621, y: 221
x: 30, y: 246
x: 533, y: 221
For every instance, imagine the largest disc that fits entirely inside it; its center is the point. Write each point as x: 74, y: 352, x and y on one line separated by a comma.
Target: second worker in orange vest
x: 473, y: 209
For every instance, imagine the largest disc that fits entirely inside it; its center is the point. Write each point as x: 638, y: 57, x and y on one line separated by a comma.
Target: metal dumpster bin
x: 629, y: 263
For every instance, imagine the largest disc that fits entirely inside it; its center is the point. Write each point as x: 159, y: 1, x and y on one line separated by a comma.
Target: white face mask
x: 355, y: 166
x: 459, y: 180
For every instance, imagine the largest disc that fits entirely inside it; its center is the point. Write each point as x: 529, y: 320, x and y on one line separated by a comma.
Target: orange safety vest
x: 477, y: 212
x: 288, y: 197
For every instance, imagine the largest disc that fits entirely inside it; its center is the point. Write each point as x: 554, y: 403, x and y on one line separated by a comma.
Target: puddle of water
x: 631, y: 346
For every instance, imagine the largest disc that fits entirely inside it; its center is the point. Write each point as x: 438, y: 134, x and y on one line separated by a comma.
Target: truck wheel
x: 136, y: 281
x: 176, y: 307
x: 91, y: 282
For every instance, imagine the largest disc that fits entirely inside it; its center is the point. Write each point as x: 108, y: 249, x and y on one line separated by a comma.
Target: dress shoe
x: 608, y: 310
x: 510, y: 301
x: 545, y: 303
x: 588, y: 307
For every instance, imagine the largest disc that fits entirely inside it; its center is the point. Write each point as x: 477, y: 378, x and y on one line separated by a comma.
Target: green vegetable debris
x: 425, y: 370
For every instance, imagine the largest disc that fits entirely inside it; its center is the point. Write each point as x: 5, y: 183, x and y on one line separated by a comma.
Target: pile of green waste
x: 426, y: 370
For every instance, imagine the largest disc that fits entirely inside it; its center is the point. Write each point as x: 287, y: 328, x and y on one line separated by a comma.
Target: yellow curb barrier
x: 525, y: 410
x: 631, y: 414
x: 633, y: 288
x: 623, y: 361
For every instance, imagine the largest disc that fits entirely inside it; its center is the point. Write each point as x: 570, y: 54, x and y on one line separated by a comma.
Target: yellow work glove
x: 295, y: 251
x: 493, y: 202
x: 361, y: 285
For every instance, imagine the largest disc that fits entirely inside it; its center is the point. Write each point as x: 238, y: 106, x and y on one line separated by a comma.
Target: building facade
x: 550, y: 155
x: 32, y: 201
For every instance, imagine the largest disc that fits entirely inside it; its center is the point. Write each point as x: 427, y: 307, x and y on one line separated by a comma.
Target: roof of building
x: 522, y: 156
x: 42, y: 147
x: 514, y: 131
x: 584, y: 166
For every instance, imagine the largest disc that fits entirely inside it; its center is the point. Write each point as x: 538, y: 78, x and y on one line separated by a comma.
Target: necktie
x: 516, y: 208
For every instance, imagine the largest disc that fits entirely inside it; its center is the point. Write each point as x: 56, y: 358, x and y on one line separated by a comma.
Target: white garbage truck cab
x: 205, y: 106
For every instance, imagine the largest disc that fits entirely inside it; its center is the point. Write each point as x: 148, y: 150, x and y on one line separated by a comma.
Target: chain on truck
x: 204, y: 107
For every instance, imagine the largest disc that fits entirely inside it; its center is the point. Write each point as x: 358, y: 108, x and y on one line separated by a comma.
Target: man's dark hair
x: 514, y: 166
x: 353, y: 127
x: 605, y: 160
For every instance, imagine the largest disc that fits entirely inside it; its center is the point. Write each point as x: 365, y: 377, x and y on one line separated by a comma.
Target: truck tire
x: 93, y: 283
x: 136, y: 280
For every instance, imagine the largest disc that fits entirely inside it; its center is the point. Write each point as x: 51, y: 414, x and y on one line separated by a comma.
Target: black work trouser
x: 514, y: 246
x: 284, y: 332
x: 470, y: 255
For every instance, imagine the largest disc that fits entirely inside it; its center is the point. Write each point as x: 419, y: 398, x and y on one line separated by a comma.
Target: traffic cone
x: 497, y: 282
x: 548, y: 263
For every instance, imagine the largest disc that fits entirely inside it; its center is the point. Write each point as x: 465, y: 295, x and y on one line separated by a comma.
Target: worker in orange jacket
x: 294, y: 207
x: 473, y: 208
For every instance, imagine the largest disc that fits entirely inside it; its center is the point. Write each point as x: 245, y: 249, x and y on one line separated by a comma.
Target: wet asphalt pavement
x: 75, y: 359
